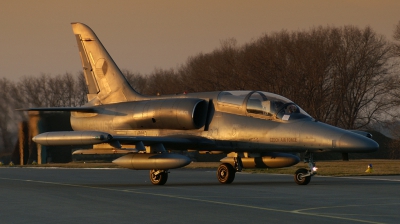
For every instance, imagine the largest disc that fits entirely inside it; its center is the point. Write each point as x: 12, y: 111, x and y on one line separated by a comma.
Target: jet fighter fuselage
x: 239, y: 124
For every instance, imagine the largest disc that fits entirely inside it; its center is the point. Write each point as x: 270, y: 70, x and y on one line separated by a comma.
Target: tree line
x: 345, y: 76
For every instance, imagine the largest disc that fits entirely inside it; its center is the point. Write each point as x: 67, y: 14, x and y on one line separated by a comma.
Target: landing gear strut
x: 303, y: 176
x: 158, y: 177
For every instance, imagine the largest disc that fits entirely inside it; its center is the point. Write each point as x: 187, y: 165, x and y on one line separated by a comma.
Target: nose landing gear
x: 303, y: 176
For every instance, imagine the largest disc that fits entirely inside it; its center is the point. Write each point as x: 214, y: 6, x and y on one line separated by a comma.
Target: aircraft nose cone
x: 357, y: 143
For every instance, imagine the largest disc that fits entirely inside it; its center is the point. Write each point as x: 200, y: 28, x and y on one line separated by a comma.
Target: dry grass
x: 343, y: 168
x: 325, y: 168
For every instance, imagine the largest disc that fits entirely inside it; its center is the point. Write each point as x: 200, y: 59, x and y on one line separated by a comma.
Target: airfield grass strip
x: 342, y: 168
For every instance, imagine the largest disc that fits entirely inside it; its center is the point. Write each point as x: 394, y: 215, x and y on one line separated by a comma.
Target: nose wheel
x: 301, y: 177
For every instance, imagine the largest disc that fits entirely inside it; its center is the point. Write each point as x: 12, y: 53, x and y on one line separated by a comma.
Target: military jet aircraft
x: 255, y: 129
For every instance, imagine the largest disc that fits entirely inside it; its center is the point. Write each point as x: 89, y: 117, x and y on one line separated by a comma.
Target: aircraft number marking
x: 141, y: 133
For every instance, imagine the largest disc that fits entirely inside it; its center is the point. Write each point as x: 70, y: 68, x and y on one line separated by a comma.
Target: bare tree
x: 8, y: 102
x: 64, y: 90
x: 136, y: 80
x: 361, y: 77
x: 217, y: 70
x: 396, y: 37
x: 162, y: 82
x: 342, y: 76
x: 44, y: 91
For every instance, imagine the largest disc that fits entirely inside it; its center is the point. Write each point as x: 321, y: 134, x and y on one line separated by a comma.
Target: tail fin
x: 104, y: 79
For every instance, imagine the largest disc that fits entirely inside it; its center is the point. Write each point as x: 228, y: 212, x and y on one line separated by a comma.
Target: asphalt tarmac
x: 58, y: 195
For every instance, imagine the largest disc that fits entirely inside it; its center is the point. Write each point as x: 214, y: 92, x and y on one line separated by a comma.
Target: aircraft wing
x: 98, y: 137
x: 175, y: 142
x: 78, y: 109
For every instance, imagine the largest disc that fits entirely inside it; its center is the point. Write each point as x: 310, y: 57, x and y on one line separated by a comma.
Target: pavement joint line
x: 343, y: 206
x: 369, y: 178
x: 196, y: 199
x: 359, y: 214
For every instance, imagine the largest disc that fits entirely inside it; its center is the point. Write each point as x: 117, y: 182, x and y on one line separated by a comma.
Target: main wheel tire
x: 299, y: 177
x: 226, y: 173
x: 159, y: 179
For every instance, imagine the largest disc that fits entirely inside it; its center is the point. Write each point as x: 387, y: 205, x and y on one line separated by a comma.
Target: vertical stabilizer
x: 104, y: 79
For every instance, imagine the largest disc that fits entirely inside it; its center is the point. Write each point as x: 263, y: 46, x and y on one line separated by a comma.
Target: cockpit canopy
x: 264, y: 104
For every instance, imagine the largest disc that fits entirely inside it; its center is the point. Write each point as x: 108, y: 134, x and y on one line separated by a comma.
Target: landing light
x: 314, y: 169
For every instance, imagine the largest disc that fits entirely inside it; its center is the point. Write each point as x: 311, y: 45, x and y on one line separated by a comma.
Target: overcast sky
x: 36, y: 36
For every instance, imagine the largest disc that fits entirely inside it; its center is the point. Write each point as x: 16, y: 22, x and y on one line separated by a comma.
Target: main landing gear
x: 226, y: 172
x: 158, y: 177
x: 303, y: 176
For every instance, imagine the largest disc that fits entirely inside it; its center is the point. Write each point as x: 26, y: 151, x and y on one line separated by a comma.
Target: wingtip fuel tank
x: 72, y: 138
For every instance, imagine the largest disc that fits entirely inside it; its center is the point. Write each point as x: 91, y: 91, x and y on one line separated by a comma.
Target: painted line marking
x: 344, y: 206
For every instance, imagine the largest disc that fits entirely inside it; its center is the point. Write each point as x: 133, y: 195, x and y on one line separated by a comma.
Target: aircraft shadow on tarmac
x: 337, y: 182
x: 193, y: 184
